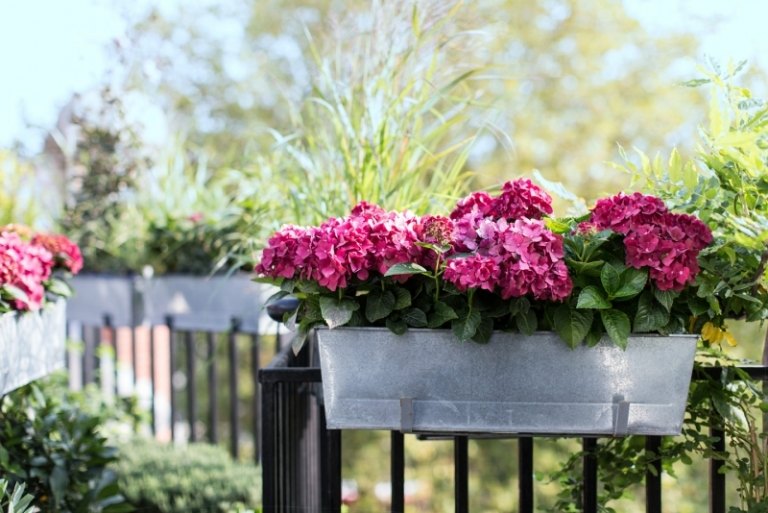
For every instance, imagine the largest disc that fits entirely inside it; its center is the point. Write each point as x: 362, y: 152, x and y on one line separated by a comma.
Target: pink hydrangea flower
x: 521, y: 198
x: 667, y: 244
x: 64, y: 251
x: 475, y: 272
x: 24, y: 266
x: 622, y: 212
x: 478, y: 203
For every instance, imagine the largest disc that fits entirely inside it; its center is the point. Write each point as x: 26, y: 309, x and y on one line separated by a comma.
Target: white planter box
x: 427, y: 381
x: 32, y: 345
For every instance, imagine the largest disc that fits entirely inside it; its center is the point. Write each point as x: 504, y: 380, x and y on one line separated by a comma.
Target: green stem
x: 437, y: 278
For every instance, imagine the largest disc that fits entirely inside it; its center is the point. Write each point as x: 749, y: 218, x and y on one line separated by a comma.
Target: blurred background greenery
x: 216, y: 122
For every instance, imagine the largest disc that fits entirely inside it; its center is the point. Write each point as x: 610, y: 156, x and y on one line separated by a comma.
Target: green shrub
x: 160, y: 478
x: 53, y: 447
x: 14, y: 501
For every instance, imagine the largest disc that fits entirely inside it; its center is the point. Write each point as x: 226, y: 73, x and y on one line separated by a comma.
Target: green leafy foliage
x: 197, y: 478
x: 52, y: 442
x: 15, y: 500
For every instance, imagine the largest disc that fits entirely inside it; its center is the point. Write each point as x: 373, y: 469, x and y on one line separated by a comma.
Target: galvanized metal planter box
x: 427, y: 381
x: 32, y: 345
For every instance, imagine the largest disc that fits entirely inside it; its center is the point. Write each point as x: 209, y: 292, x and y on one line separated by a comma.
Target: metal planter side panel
x: 209, y: 303
x: 97, y: 296
x: 427, y: 381
x: 34, y: 345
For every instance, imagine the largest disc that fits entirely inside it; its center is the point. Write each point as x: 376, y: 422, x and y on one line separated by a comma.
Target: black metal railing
x: 194, y: 378
x: 302, y: 458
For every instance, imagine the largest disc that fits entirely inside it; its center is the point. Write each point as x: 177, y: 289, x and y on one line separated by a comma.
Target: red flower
x: 65, y: 252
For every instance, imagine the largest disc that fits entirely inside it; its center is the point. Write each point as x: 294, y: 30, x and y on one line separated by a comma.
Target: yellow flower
x: 716, y: 335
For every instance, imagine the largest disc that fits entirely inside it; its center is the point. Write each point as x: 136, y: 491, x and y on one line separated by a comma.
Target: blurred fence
x: 188, y: 348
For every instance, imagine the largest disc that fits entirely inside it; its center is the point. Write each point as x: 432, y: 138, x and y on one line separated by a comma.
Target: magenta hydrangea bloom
x: 668, y: 244
x: 521, y: 198
x: 478, y: 203
x: 475, y: 272
x: 65, y: 252
x: 622, y: 212
x: 24, y: 266
x: 529, y: 257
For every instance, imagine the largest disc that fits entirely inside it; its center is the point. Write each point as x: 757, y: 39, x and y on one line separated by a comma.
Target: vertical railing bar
x: 525, y: 466
x: 716, y: 477
x: 191, y: 385
x: 213, y: 390
x: 112, y: 335
x: 256, y: 403
x: 234, y: 410
x: 134, y: 367
x: 84, y: 339
x: 152, y: 379
x: 116, y: 361
x: 333, y: 466
x: 88, y: 355
x: 653, y: 477
x: 172, y: 365
x: 397, y: 471
x: 268, y: 442
x: 461, y: 473
x: 590, y: 475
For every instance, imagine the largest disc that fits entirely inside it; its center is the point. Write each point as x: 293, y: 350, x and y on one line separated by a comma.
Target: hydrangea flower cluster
x: 668, y: 244
x: 66, y: 253
x: 341, y: 249
x: 28, y: 265
x: 513, y: 252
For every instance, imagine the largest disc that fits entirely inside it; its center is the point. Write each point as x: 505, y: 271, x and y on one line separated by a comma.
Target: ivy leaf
x: 379, y: 304
x: 484, y: 331
x: 632, y: 283
x: 610, y: 277
x: 337, y: 312
x: 405, y: 268
x: 402, y: 298
x: 617, y: 326
x: 571, y: 324
x: 441, y: 313
x: 465, y: 328
x: 396, y: 325
x: 415, y: 318
x: 592, y: 297
x: 526, y: 322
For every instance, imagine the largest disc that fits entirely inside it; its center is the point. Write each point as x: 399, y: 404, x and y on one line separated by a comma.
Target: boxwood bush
x: 197, y: 478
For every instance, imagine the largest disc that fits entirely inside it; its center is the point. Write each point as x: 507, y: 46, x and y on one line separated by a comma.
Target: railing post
x: 716, y: 477
x: 213, y: 390
x: 525, y: 466
x: 653, y: 477
x: 397, y: 471
x: 461, y: 473
x: 234, y: 407
x: 172, y: 369
x: 255, y: 405
x: 191, y: 385
x: 268, y: 457
x: 589, y: 446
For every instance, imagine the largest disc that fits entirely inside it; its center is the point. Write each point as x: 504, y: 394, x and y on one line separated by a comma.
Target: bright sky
x: 51, y: 48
